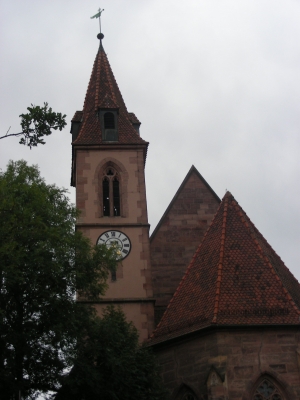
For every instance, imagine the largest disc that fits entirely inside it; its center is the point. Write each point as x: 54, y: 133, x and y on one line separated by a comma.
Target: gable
x: 177, y: 235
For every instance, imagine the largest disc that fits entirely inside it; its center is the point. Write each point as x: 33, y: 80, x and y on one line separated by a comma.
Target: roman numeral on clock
x: 116, y: 239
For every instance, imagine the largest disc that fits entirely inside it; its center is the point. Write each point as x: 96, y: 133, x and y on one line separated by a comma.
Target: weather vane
x: 98, y: 15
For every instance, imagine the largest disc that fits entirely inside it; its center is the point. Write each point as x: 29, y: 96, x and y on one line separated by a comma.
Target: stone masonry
x: 239, y: 358
x: 178, y: 234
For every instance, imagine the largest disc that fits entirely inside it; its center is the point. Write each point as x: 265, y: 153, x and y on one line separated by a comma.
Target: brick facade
x: 229, y: 364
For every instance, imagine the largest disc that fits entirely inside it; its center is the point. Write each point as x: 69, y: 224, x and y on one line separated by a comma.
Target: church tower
x: 108, y: 162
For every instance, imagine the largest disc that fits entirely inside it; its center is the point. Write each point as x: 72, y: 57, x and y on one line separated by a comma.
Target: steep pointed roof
x: 235, y: 278
x: 104, y: 93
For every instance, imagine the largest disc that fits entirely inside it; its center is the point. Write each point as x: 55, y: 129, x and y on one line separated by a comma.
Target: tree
x: 44, y: 262
x: 37, y: 123
x: 111, y: 365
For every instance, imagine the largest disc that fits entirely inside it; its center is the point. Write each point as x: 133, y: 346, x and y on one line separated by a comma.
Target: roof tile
x: 234, y: 278
x: 103, y: 92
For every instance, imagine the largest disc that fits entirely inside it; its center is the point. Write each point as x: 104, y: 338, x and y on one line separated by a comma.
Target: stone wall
x: 230, y: 364
x: 178, y: 235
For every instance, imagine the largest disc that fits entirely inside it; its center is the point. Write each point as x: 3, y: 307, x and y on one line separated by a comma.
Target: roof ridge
x: 241, y: 213
x: 98, y: 70
x: 220, y: 265
x: 85, y: 104
x: 107, y: 70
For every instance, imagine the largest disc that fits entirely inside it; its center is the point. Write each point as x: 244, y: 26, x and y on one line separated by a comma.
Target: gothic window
x: 266, y: 390
x: 185, y: 393
x: 111, y: 193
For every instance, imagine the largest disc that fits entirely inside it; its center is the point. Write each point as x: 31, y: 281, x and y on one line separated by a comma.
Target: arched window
x: 267, y: 390
x: 109, y: 126
x: 184, y: 392
x: 111, y: 193
x: 109, y: 120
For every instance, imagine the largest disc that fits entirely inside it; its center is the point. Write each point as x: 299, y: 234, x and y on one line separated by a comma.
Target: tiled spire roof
x: 234, y: 278
x: 103, y: 93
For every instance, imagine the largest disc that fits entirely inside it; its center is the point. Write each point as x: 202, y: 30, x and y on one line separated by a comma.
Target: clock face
x: 117, y: 239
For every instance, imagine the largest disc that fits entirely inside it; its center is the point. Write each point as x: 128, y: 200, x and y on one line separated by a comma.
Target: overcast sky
x: 215, y: 83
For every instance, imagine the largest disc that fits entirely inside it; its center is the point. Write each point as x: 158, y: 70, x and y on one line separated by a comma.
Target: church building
x: 206, y: 291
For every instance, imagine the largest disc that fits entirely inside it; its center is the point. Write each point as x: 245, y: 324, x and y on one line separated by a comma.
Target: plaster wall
x: 130, y: 163
x: 133, y: 287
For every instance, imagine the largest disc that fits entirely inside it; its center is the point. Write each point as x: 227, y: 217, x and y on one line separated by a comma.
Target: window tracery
x: 266, y: 390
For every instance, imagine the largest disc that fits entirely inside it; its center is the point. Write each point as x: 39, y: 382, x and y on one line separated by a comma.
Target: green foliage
x: 111, y: 364
x: 37, y: 123
x: 43, y: 263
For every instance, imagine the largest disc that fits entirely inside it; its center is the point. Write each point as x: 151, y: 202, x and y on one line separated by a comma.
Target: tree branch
x: 11, y: 134
x: 37, y: 123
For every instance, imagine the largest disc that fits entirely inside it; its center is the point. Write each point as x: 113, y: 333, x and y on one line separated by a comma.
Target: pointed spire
x: 103, y: 93
x: 234, y: 278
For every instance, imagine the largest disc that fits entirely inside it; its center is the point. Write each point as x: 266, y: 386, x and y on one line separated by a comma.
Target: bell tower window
x: 111, y: 193
x: 116, y: 194
x: 109, y: 125
x: 109, y: 120
x: 106, y: 202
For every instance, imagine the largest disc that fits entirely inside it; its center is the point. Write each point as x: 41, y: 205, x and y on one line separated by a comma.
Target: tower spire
x: 108, y: 161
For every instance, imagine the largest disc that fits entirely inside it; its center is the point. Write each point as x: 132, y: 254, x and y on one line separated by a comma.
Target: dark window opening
x: 109, y: 120
x: 113, y: 276
x: 111, y: 193
x: 106, y: 201
x: 116, y: 194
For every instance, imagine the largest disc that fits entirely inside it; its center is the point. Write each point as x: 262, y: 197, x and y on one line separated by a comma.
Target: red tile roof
x: 234, y: 278
x: 77, y: 116
x: 133, y: 118
x: 103, y: 92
